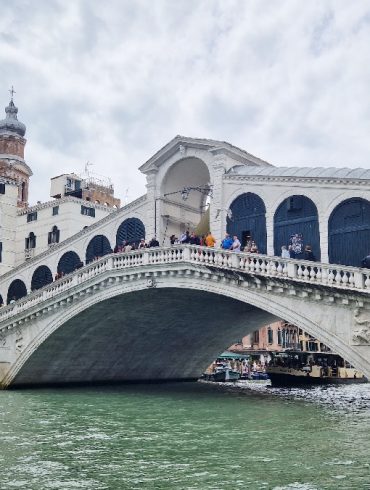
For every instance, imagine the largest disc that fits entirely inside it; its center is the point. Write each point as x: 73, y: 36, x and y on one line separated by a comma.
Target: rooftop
x: 303, y: 172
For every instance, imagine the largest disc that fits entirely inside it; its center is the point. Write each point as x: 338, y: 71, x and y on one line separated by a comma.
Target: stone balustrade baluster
x: 345, y: 279
x: 300, y: 271
x: 337, y: 277
x: 312, y: 274
x: 306, y: 273
x: 367, y: 281
x: 274, y: 267
x: 279, y: 269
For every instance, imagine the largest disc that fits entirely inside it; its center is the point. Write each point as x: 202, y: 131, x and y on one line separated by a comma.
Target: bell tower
x: 12, y: 143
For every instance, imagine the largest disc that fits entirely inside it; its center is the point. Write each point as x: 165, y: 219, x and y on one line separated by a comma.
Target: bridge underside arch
x: 122, y: 338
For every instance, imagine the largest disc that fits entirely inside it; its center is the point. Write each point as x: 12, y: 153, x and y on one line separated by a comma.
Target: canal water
x: 185, y: 436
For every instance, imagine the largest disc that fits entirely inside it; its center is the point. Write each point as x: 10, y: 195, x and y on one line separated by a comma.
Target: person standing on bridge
x: 227, y: 242
x: 308, y: 254
x: 142, y: 244
x: 153, y: 242
x: 365, y: 262
x: 235, y: 247
x: 210, y: 240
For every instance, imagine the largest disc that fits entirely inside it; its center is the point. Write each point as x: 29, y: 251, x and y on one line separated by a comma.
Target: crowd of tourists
x: 208, y: 240
x: 127, y: 246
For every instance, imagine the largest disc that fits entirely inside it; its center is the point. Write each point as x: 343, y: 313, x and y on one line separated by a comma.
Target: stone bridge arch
x: 131, y: 230
x: 118, y: 324
x: 68, y: 262
x: 41, y: 277
x: 17, y: 289
x: 184, y: 191
x: 98, y: 246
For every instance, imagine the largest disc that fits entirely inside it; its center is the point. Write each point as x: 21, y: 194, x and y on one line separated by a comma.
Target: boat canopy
x: 232, y: 355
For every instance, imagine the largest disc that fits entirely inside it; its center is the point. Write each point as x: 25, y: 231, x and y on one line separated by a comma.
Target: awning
x: 232, y: 355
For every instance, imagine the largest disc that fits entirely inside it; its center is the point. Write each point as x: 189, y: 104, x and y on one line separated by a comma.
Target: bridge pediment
x: 180, y: 144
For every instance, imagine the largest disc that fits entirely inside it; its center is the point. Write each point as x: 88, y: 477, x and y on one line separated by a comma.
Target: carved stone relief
x: 361, y: 327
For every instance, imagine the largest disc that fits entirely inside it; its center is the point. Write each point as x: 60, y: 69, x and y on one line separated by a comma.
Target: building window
x: 256, y: 337
x: 30, y: 241
x: 312, y: 346
x: 88, y: 211
x: 53, y: 235
x: 55, y: 210
x: 2, y: 188
x: 280, y: 340
x: 31, y: 217
x: 270, y: 336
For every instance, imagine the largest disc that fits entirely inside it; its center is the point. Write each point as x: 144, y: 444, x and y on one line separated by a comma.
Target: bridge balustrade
x: 303, y: 271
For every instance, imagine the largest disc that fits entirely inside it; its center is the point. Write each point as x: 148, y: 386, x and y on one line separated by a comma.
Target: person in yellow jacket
x: 210, y: 240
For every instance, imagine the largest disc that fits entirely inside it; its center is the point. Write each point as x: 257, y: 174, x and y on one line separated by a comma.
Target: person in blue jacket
x: 227, y: 242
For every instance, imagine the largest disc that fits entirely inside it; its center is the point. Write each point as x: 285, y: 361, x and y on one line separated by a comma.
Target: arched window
x: 69, y: 262
x: 30, y: 241
x: 247, y: 220
x: 53, y: 235
x: 270, y: 336
x: 349, y: 232
x: 41, y: 277
x: 132, y: 230
x: 97, y: 247
x: 17, y: 290
x: 296, y: 223
x: 280, y: 337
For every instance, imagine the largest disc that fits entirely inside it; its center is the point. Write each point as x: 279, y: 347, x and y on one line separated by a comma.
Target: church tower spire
x: 12, y: 143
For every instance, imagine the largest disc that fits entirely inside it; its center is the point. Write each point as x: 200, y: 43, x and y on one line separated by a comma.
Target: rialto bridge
x: 165, y: 314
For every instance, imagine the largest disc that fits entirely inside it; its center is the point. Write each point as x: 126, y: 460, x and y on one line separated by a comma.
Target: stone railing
x: 327, y: 275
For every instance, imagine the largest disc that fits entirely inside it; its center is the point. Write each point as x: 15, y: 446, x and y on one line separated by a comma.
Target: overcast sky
x: 112, y: 81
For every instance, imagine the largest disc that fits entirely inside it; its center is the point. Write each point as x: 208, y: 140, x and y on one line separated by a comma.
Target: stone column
x: 217, y: 211
x: 270, y: 232
x: 324, y: 239
x: 153, y: 211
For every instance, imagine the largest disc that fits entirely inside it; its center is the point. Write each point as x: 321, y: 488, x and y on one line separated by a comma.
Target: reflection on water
x: 186, y: 436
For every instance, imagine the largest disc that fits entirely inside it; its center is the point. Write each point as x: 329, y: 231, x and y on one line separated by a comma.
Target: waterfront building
x: 276, y: 337
x: 27, y: 231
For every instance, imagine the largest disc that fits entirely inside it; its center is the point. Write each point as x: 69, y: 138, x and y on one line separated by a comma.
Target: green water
x: 185, y: 436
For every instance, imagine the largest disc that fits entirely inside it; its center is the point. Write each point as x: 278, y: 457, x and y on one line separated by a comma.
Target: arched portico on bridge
x: 17, y: 290
x: 131, y: 230
x: 41, y: 277
x: 247, y: 220
x: 117, y: 325
x: 97, y: 247
x: 68, y: 262
x: 296, y: 219
x: 349, y: 232
x: 183, y: 199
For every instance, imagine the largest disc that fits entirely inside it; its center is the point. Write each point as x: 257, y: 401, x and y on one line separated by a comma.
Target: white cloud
x: 112, y: 82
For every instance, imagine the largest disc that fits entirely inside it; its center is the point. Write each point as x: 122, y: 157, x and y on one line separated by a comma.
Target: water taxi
x: 310, y: 368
